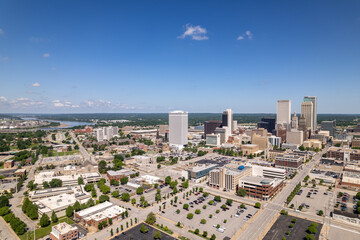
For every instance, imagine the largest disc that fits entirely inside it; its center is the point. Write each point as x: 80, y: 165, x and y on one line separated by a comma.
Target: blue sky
x: 198, y: 56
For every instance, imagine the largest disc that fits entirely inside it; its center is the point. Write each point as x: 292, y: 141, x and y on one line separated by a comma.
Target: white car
x: 220, y: 230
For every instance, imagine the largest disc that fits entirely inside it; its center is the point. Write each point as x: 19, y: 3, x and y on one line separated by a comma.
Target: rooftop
x: 64, y: 227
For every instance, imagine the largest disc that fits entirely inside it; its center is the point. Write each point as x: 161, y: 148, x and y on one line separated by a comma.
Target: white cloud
x: 36, y: 84
x: 3, y: 99
x: 1, y: 31
x: 57, y: 103
x: 46, y: 55
x: 21, y: 102
x: 247, y: 35
x: 194, y: 32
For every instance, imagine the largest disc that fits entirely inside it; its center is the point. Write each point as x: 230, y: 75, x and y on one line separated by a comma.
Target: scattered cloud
x: 53, y: 68
x: 36, y: 84
x: 194, y: 32
x: 46, y: 55
x: 64, y: 104
x: 247, y: 35
x: 21, y: 102
x: 1, y: 31
x: 96, y: 103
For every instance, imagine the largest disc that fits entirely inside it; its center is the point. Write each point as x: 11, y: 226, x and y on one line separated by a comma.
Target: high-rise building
x: 313, y: 99
x: 210, y: 126
x: 329, y: 126
x: 283, y: 112
x: 307, y: 112
x: 106, y: 133
x: 294, y: 121
x: 178, y: 128
x: 268, y: 123
x: 227, y: 119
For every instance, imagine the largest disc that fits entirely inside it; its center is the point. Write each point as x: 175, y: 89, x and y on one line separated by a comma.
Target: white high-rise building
x: 307, y: 111
x: 313, y: 99
x: 178, y: 128
x: 227, y: 120
x: 106, y: 133
x: 283, y: 115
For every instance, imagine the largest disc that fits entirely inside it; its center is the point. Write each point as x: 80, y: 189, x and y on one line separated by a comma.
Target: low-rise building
x: 20, y: 172
x: 64, y: 231
x: 268, y: 172
x: 227, y: 179
x: 102, y: 212
x: 351, y: 179
x: 200, y: 171
x: 117, y: 175
x: 295, y: 137
x: 9, y: 164
x: 248, y: 149
x: 288, y: 162
x: 345, y: 154
x: 213, y: 139
x: 67, y: 180
x: 260, y: 187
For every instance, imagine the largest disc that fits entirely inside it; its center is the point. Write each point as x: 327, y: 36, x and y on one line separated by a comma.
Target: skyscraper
x: 227, y: 119
x: 329, y: 126
x: 283, y: 112
x: 268, y: 123
x: 210, y: 126
x: 307, y: 111
x: 313, y: 99
x: 294, y: 121
x: 178, y: 128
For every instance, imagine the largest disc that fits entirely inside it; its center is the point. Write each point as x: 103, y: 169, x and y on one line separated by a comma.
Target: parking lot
x: 313, y: 200
x: 228, y: 220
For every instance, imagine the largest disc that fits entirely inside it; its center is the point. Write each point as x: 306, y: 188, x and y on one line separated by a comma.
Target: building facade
x: 178, y: 128
x: 307, y: 111
x: 283, y: 112
x: 313, y: 100
x: 64, y: 231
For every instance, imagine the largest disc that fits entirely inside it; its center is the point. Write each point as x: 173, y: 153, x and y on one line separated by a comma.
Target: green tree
x: 229, y: 202
x: 4, y: 201
x: 157, y: 235
x: 80, y: 180
x: 167, y: 180
x: 44, y: 220
x: 241, y: 192
x: 103, y: 198
x: 257, y: 205
x: 115, y: 194
x: 133, y: 201
x: 217, y: 198
x: 197, y: 231
x: 139, y: 191
x: 203, y: 221
x: 77, y: 206
x: 4, y: 211
x: 190, y: 216
x: 143, y: 228
x: 54, y: 218
x: 151, y: 218
x: 124, y: 180
x: 69, y: 211
x: 125, y: 197
x: 186, y: 206
x: 213, y: 237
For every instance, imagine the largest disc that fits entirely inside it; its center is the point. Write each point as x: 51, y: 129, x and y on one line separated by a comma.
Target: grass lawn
x: 54, y: 153
x: 42, y: 232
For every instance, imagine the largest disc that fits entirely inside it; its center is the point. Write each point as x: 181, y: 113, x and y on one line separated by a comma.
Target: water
x: 63, y: 124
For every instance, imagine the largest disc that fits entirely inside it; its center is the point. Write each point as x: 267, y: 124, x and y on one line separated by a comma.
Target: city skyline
x: 154, y: 58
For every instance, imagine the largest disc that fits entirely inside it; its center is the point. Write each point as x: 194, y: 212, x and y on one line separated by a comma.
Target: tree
x: 77, y: 206
x: 320, y: 212
x: 358, y: 195
x: 80, y: 180
x: 197, y: 211
x: 124, y: 180
x: 159, y: 166
x: 103, y: 198
x: 257, y: 205
x: 167, y: 180
x: 190, y: 216
x: 133, y: 201
x: 32, y: 211
x: 54, y: 218
x: 46, y: 185
x: 197, y: 231
x: 4, y: 201
x: 125, y: 197
x: 111, y: 232
x: 173, y: 184
x: 186, y: 206
x: 105, y: 189
x: 205, y: 233
x: 4, y: 211
x: 223, y: 207
x: 309, y: 237
x: 217, y: 198
x: 90, y: 203
x: 44, y: 220
x: 115, y: 194
x: 139, y: 191
x: 69, y: 211
x: 151, y: 218
x: 229, y: 202
x: 213, y: 237
x: 143, y: 228
x: 312, y: 229
x: 25, y: 205
x: 93, y: 193
x: 157, y: 235
x: 203, y: 221
x: 241, y: 192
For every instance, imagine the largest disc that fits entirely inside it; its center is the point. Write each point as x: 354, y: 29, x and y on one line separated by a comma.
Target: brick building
x: 260, y: 187
x: 64, y: 231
